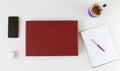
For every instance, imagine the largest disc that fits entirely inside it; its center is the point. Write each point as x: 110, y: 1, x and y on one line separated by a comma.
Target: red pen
x: 98, y: 45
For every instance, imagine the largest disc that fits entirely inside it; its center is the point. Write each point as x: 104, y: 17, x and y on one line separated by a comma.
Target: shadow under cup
x: 90, y: 14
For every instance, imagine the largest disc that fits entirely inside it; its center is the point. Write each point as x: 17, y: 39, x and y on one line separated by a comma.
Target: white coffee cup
x: 95, y: 10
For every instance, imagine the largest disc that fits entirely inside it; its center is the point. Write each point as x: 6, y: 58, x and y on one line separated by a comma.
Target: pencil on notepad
x: 98, y: 45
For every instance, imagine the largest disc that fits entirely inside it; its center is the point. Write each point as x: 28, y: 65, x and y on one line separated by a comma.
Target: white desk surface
x: 54, y: 10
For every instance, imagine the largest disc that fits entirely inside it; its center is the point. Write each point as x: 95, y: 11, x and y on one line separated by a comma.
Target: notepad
x: 106, y: 52
x: 51, y: 38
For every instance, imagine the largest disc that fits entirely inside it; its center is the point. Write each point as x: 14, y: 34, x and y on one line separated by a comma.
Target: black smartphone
x: 13, y: 26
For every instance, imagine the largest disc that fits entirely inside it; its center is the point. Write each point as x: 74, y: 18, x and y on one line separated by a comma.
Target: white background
x: 54, y: 10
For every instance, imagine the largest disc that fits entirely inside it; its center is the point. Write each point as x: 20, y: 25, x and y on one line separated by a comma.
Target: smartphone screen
x: 13, y: 27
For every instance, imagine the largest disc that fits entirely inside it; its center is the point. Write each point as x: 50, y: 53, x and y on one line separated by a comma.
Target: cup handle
x: 104, y: 5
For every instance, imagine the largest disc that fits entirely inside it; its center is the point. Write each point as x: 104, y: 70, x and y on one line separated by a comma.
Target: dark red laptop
x: 51, y: 38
